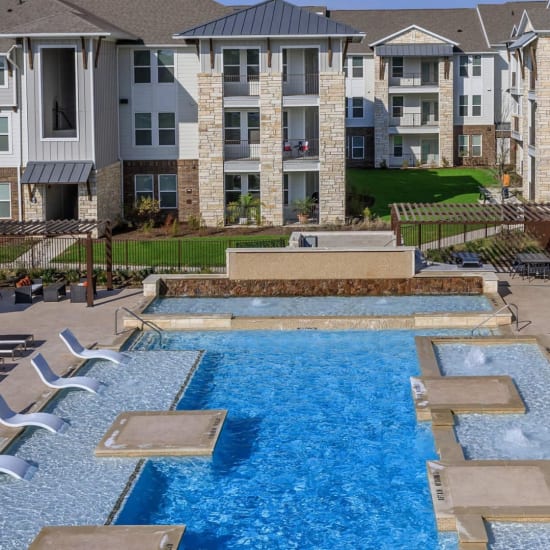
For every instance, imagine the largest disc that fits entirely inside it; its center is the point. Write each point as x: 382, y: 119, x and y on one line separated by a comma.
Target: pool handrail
x: 512, y: 308
x: 150, y: 324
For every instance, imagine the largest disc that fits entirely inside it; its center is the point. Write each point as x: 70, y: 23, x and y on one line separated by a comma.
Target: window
x: 3, y: 71
x: 233, y: 185
x: 144, y: 187
x: 4, y: 134
x: 143, y: 130
x: 168, y: 191
x: 463, y: 105
x: 357, y: 67
x: 476, y: 65
x: 165, y: 66
x: 476, y: 145
x: 231, y: 65
x: 346, y: 103
x: 397, y: 67
x: 253, y: 127
x: 285, y: 125
x: 357, y: 147
x: 357, y: 107
x: 5, y: 200
x: 285, y: 190
x: 476, y: 105
x: 397, y: 146
x: 463, y: 67
x: 232, y: 127
x: 397, y: 106
x: 254, y: 185
x: 252, y: 65
x: 167, y: 128
x: 285, y: 66
x: 463, y: 145
x: 142, y: 66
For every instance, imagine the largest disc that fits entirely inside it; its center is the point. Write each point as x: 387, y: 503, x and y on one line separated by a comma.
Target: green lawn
x: 173, y: 253
x: 458, y: 185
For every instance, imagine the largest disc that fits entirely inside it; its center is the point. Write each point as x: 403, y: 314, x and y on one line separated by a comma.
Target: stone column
x: 542, y: 115
x: 446, y: 114
x: 332, y: 148
x: 109, y: 199
x: 381, y: 112
x: 210, y: 114
x: 271, y: 148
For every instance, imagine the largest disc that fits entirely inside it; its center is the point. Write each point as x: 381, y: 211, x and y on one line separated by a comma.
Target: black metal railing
x: 413, y: 79
x: 300, y: 149
x: 241, y: 149
x: 414, y: 120
x: 301, y: 84
x: 241, y: 84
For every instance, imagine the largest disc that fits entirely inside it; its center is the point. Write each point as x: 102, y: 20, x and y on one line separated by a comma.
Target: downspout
x: 20, y: 111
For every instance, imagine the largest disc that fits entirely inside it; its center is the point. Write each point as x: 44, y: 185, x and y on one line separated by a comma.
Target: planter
x: 303, y: 218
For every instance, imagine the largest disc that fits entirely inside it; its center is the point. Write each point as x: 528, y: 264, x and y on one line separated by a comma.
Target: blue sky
x: 378, y: 4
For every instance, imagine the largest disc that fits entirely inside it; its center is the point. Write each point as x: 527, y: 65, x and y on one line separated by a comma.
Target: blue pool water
x: 321, y: 306
x: 320, y: 449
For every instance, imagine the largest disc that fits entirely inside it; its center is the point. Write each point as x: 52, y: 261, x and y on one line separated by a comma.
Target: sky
x: 378, y: 4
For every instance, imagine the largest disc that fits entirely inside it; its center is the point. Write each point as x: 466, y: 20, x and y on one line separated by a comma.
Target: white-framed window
x: 346, y: 103
x: 3, y: 69
x: 252, y: 65
x: 397, y: 106
x: 168, y: 191
x: 356, y: 67
x: 5, y: 134
x: 143, y: 129
x: 463, y: 145
x: 397, y: 67
x: 167, y: 128
x: 253, y: 119
x: 165, y: 66
x: 285, y: 65
x: 142, y: 66
x: 476, y: 105
x: 5, y: 200
x: 476, y: 145
x: 285, y: 126
x: 143, y: 187
x: 232, y: 132
x: 231, y: 65
x: 476, y: 65
x: 463, y: 66
x: 397, y: 146
x: 357, y: 107
x: 357, y: 147
x: 463, y: 105
x: 285, y: 189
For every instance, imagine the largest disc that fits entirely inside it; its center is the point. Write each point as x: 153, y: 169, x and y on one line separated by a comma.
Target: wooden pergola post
x: 109, y: 254
x: 89, y: 271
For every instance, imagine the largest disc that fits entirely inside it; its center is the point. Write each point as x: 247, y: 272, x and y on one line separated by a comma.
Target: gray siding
x: 106, y: 106
x: 80, y: 148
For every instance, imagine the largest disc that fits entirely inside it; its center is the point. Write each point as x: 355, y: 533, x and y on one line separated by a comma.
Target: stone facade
x: 108, y: 198
x: 415, y: 36
x: 446, y: 103
x: 332, y: 148
x: 271, y: 153
x: 211, y: 151
x: 326, y: 287
x: 9, y: 175
x: 368, y: 135
x: 488, y: 145
x: 188, y: 189
x: 381, y: 110
x: 542, y: 132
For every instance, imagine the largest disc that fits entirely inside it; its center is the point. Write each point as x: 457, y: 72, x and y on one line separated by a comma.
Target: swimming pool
x: 321, y: 305
x: 321, y: 447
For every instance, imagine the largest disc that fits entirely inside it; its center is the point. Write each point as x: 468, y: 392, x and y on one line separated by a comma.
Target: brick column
x: 381, y: 112
x: 210, y: 114
x: 446, y: 114
x: 271, y: 148
x: 332, y: 148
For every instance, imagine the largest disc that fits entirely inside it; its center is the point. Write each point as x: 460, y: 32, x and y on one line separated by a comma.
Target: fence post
x: 180, y: 243
x: 465, y: 233
x: 419, y: 235
x: 126, y: 254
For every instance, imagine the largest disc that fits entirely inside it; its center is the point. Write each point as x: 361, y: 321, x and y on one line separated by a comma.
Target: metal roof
x: 271, y: 18
x: 414, y: 50
x: 523, y: 40
x: 57, y: 172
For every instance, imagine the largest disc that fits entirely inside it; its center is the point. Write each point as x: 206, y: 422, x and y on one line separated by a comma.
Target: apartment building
x: 202, y: 106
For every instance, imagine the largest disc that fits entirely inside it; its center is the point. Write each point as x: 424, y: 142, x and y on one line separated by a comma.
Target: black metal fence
x: 173, y: 255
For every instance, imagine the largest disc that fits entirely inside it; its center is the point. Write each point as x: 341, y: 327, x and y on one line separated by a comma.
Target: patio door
x: 61, y: 201
x: 430, y: 112
x: 429, y: 151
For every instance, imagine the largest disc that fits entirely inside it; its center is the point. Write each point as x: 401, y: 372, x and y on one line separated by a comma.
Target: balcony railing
x: 236, y: 214
x: 414, y: 79
x: 241, y: 85
x: 241, y: 150
x: 414, y: 120
x: 410, y: 161
x: 301, y: 149
x: 301, y: 84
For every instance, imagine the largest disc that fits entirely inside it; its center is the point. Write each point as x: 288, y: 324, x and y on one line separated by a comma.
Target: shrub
x: 383, y: 164
x: 146, y: 213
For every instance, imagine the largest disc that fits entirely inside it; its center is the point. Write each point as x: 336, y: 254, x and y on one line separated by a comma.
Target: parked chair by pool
x: 77, y: 349
x: 15, y: 467
x: 40, y: 420
x: 25, y: 339
x: 58, y: 382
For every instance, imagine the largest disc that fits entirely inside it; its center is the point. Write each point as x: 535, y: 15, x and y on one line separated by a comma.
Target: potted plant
x: 249, y: 208
x: 303, y: 208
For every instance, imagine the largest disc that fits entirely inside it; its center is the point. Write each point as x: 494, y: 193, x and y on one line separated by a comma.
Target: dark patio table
x: 535, y: 263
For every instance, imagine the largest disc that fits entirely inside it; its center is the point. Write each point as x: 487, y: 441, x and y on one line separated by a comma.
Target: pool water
x: 321, y: 306
x: 320, y: 449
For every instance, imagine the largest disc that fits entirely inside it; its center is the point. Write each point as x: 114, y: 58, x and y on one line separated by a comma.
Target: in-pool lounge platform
x: 101, y: 537
x: 162, y: 433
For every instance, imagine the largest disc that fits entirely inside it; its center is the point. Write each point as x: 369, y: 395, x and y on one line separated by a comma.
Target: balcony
x: 301, y: 84
x: 414, y: 80
x: 301, y: 149
x: 241, y: 85
x: 415, y: 120
x: 241, y: 150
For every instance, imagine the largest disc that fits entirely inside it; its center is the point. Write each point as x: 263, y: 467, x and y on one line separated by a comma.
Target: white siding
x: 187, y: 69
x: 362, y: 87
x: 11, y: 159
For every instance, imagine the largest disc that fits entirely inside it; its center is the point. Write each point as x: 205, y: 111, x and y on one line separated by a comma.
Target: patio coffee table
x: 54, y: 291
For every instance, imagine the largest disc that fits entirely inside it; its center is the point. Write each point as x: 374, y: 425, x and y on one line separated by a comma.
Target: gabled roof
x: 539, y: 17
x: 271, y: 18
x: 461, y: 26
x: 400, y: 32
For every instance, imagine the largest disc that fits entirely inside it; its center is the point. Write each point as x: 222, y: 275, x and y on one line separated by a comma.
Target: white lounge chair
x: 47, y: 421
x: 16, y: 467
x: 76, y: 348
x: 51, y: 379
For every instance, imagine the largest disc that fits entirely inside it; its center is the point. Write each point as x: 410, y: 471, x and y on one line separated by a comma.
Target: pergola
x: 57, y: 228
x: 466, y: 214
